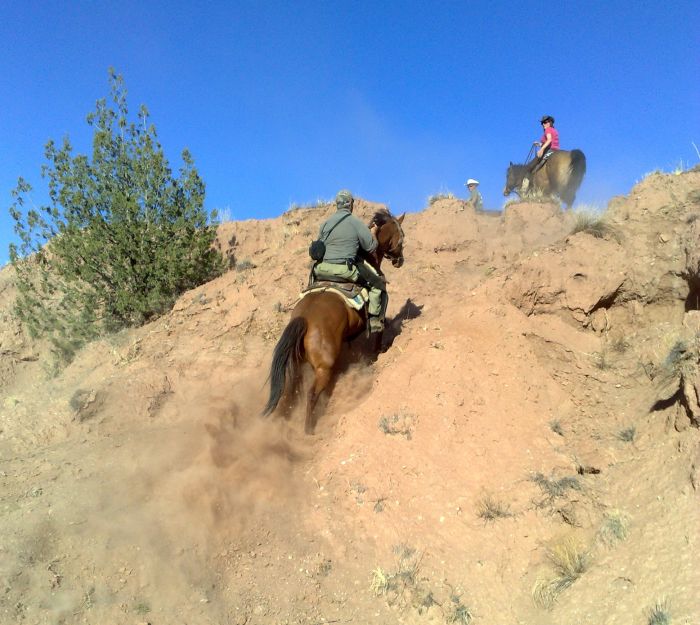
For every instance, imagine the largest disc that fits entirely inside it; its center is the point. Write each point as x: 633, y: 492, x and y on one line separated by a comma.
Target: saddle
x: 355, y: 295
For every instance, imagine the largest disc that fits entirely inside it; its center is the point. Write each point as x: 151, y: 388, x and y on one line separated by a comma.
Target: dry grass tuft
x: 555, y: 488
x: 659, y: 614
x: 396, y: 584
x: 614, y: 529
x: 569, y: 560
x: 457, y: 612
x: 627, y: 435
x: 440, y: 196
x: 595, y: 226
x: 491, y: 509
x: 556, y: 427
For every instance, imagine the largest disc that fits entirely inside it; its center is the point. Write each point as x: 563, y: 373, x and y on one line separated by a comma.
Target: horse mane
x: 517, y: 168
x: 382, y: 216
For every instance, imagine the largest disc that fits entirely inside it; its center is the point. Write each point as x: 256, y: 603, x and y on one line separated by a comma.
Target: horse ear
x: 400, y: 219
x: 511, y: 163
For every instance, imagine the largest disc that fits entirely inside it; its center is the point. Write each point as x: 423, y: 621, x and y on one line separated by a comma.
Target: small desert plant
x: 659, y: 614
x: 491, y: 509
x: 619, y: 345
x: 380, y: 582
x: 400, y: 585
x: 440, y: 196
x: 457, y: 612
x: 359, y: 490
x: 553, y: 488
x: 245, y: 265
x: 401, y: 424
x: 602, y: 360
x: 682, y: 359
x: 614, y: 529
x: 532, y: 197
x: 595, y: 226
x: 556, y: 427
x: 142, y: 608
x: 319, y: 203
x: 569, y: 560
x: 627, y: 435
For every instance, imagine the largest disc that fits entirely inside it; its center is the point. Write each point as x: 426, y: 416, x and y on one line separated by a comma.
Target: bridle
x: 395, y: 254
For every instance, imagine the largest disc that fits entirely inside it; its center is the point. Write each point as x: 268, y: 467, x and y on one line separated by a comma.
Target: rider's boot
x: 376, y: 324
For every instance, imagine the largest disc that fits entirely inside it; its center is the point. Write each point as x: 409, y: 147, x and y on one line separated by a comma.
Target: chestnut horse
x: 322, y: 321
x: 561, y: 175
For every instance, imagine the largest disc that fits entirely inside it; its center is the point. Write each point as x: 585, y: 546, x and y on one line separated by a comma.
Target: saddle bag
x: 317, y: 250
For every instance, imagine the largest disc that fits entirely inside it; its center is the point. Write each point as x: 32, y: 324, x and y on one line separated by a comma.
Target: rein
x: 529, y: 154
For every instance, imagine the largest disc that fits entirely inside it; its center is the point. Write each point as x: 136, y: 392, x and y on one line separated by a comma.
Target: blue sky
x: 287, y: 102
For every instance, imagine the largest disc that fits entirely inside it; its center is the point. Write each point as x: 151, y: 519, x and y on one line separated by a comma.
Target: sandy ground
x: 500, y: 463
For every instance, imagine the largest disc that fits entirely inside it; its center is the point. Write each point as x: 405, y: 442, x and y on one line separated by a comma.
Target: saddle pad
x: 356, y: 301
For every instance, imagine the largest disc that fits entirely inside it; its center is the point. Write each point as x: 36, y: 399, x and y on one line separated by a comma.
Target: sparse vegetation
x: 440, y: 196
x: 319, y: 203
x: 682, y: 359
x: 457, y: 612
x: 627, y: 435
x: 554, y: 488
x: 490, y: 509
x: 395, y: 585
x: 614, y: 528
x: 556, y: 427
x: 602, y: 360
x: 379, y: 504
x: 404, y: 588
x: 659, y: 614
x: 245, y: 265
x: 595, y: 226
x: 619, y: 345
x: 569, y: 560
x: 142, y: 608
x: 398, y: 424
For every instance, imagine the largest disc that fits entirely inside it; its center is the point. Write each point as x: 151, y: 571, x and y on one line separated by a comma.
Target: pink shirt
x: 551, y: 132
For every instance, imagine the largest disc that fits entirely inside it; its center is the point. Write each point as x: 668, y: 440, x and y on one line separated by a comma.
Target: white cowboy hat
x: 471, y: 181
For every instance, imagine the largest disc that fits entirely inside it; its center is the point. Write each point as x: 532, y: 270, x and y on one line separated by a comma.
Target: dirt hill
x: 526, y: 450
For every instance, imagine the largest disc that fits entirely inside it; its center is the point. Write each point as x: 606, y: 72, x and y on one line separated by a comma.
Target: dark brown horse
x: 322, y: 321
x: 561, y: 176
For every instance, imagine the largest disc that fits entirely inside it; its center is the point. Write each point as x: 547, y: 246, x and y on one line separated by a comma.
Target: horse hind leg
x: 322, y: 376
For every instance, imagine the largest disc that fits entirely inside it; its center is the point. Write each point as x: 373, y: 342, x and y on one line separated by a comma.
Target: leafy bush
x: 121, y: 237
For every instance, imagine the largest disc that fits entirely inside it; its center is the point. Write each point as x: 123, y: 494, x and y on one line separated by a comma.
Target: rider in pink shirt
x: 548, y: 144
x: 550, y: 138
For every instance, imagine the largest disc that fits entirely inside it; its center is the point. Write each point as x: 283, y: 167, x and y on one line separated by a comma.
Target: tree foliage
x: 121, y: 236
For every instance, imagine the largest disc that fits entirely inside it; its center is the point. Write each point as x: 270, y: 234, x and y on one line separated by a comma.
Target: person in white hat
x: 475, y: 200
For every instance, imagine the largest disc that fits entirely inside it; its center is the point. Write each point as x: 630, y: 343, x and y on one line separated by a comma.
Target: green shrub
x: 121, y: 237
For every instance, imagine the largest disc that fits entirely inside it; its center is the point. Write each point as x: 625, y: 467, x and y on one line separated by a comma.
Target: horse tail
x: 577, y: 170
x: 286, y: 358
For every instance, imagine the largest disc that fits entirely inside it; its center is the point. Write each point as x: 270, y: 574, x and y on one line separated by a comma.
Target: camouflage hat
x: 343, y: 199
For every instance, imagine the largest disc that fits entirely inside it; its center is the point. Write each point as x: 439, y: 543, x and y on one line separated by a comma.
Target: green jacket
x: 346, y: 239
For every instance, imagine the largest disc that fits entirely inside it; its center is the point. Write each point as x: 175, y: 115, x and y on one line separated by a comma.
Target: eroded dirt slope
x: 509, y: 421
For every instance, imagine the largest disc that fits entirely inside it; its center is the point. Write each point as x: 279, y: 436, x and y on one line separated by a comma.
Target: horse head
x: 514, y: 178
x: 389, y: 236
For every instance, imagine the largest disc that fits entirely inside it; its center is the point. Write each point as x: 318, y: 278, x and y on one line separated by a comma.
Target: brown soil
x: 539, y: 396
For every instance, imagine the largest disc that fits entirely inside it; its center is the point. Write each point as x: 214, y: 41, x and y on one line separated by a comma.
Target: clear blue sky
x: 283, y: 102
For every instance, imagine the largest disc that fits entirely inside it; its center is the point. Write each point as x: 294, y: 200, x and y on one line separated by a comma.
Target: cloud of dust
x: 173, y: 501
